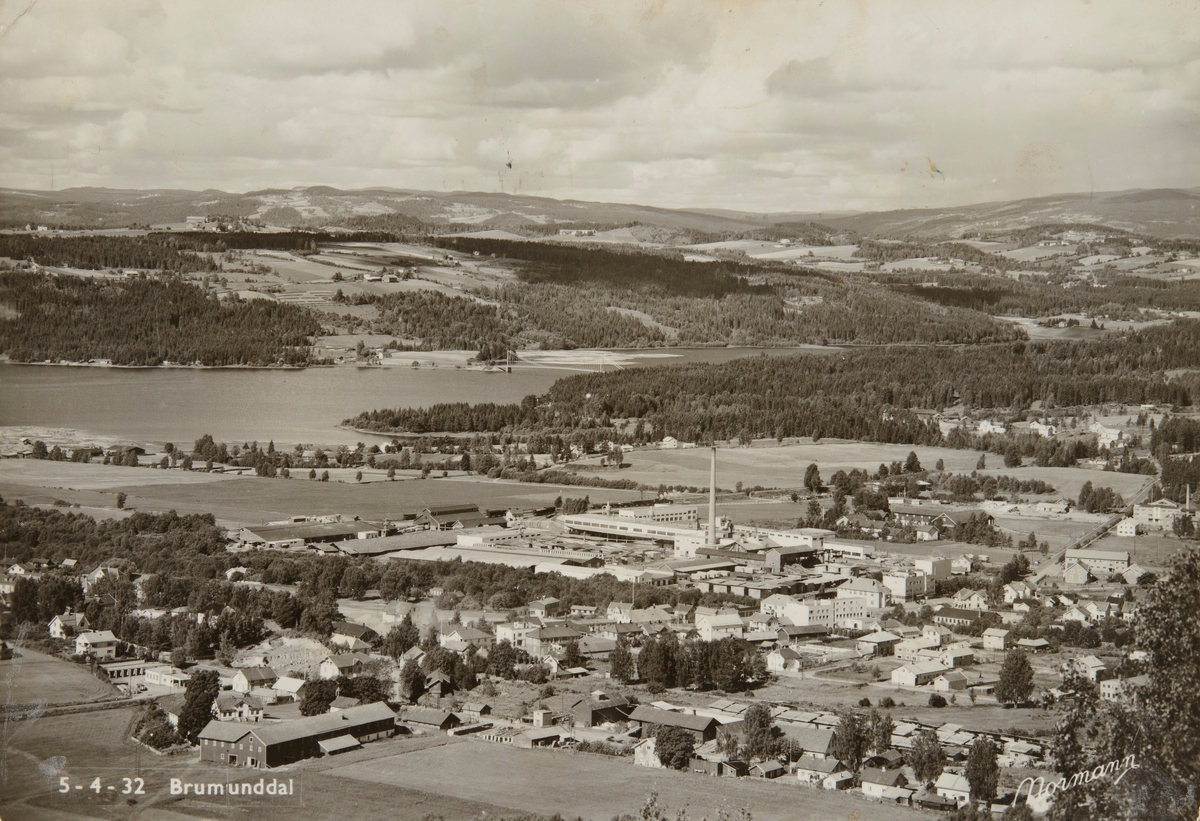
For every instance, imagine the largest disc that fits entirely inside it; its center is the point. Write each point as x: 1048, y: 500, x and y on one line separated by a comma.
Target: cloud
x: 767, y: 106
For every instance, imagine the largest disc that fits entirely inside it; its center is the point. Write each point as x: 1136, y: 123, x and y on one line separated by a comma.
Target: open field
x: 779, y: 466
x: 596, y: 787
x: 253, y: 500
x: 1151, y: 551
x: 1067, y: 481
x: 31, y: 677
x: 43, y: 473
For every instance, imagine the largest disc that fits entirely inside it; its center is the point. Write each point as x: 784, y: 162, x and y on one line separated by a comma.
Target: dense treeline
x: 158, y: 252
x: 146, y: 321
x: 866, y: 395
x: 569, y: 265
x: 275, y: 240
x: 1121, y: 297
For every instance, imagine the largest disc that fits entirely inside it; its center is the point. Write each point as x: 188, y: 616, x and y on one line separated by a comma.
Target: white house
x: 955, y: 787
x: 720, y: 626
x: 995, y: 639
x: 1159, y: 513
x: 247, y: 678
x: 165, y: 676
x: 68, y: 624
x: 1129, y: 527
x: 99, y: 645
x: 953, y: 680
x: 1014, y: 591
x: 784, y: 660
x: 918, y: 673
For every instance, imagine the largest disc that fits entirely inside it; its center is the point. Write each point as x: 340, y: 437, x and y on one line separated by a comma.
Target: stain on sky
x: 934, y: 170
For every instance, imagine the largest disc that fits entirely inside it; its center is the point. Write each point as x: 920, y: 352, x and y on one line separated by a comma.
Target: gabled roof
x: 653, y: 715
x: 96, y: 636
x: 887, y: 778
x: 995, y: 632
x: 228, y: 731
x: 881, y: 636
x: 353, y: 629
x: 952, y: 781
x: 429, y: 716
x: 468, y: 633
x: 227, y: 702
x: 254, y: 674
x: 305, y: 727
x: 825, y: 766
x: 345, y: 661
x: 808, y: 738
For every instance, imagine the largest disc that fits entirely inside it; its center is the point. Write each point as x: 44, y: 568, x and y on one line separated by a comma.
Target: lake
x: 234, y: 405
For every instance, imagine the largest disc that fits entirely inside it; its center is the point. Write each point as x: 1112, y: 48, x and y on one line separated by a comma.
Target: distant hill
x: 1169, y: 212
x: 1161, y: 212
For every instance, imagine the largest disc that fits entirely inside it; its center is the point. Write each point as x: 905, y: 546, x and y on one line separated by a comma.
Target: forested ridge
x: 866, y: 395
x: 146, y: 321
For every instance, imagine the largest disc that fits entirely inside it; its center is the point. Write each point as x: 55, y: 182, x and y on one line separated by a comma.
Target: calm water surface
x: 179, y: 405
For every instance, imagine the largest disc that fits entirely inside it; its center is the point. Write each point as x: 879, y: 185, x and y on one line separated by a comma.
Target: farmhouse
x: 1076, y: 573
x: 343, y: 664
x: 272, y: 745
x: 460, y: 638
x: 955, y: 787
x: 237, y: 707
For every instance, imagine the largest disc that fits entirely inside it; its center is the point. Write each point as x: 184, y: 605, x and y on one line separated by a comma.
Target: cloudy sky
x: 780, y: 106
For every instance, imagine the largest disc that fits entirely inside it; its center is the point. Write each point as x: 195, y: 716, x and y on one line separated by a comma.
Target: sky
x: 754, y: 106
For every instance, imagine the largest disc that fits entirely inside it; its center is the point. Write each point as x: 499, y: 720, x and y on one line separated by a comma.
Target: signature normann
x: 1042, y: 792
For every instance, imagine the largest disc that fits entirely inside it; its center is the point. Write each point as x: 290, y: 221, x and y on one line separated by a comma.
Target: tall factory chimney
x: 712, y: 500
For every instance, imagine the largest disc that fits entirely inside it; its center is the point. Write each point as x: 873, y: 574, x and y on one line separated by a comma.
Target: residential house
x: 100, y: 645
x: 248, y: 678
x: 1129, y: 527
x: 68, y: 624
x: 771, y: 768
x: 545, y: 641
x: 955, y: 787
x: 1076, y: 573
x: 927, y: 533
x: 1133, y: 574
x: 1015, y: 591
x: 237, y: 707
x: 1090, y: 667
x: 812, y: 770
x: 545, y: 607
x: 968, y: 599
x: 460, y: 638
x: 1114, y: 689
x: 784, y: 660
x: 886, y: 785
x: 353, y: 636
x: 720, y: 626
x: 343, y: 664
x: 995, y: 639
x: 618, y: 611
